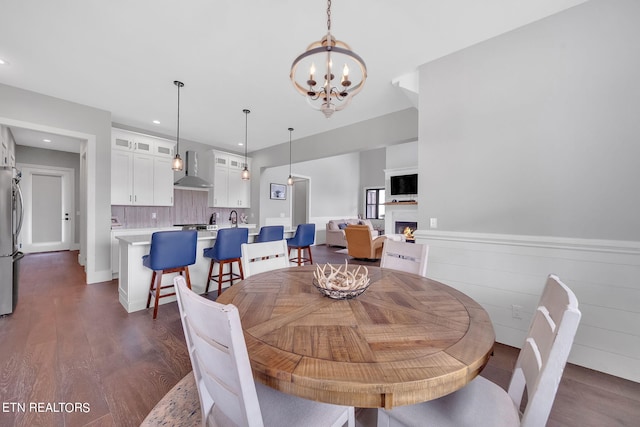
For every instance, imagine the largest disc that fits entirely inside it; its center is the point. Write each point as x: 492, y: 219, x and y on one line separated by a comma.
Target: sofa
x: 335, y: 230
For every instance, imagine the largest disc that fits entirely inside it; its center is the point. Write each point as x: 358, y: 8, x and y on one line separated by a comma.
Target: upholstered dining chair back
x: 305, y: 236
x: 264, y: 256
x: 538, y: 369
x: 172, y: 249
x: 404, y: 256
x: 227, y: 244
x: 269, y: 233
x: 303, y: 239
x: 170, y: 252
x: 222, y: 372
x: 226, y: 251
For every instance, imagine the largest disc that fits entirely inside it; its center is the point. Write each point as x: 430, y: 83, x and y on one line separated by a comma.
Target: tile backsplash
x: 190, y: 207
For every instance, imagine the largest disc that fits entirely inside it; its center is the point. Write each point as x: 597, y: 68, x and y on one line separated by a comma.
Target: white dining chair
x: 227, y: 391
x: 538, y: 368
x: 403, y: 256
x: 264, y: 256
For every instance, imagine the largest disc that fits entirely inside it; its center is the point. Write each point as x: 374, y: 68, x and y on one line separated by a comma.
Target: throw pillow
x: 342, y: 226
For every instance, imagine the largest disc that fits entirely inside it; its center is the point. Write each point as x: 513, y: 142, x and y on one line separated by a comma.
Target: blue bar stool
x: 226, y: 250
x: 303, y: 239
x: 270, y: 233
x: 171, y: 252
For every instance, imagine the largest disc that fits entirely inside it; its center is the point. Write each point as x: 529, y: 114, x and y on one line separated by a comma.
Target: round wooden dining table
x: 406, y: 339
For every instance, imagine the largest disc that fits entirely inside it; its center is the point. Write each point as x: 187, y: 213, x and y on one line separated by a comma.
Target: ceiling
x: 123, y: 56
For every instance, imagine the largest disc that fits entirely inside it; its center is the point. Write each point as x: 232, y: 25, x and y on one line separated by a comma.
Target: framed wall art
x: 278, y: 191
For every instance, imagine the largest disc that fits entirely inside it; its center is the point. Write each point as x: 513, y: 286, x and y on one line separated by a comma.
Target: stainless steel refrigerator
x: 11, y: 215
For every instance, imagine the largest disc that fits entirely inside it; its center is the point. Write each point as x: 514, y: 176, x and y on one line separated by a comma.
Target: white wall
x: 334, y: 187
x: 536, y: 132
x: 529, y: 139
x: 402, y: 155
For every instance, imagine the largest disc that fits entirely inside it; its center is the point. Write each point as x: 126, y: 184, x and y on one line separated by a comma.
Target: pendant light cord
x: 290, y: 130
x: 179, y: 84
x: 246, y: 133
x: 178, y: 131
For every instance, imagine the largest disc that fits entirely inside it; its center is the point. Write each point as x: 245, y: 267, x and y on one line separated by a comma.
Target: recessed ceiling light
x: 46, y: 140
x: 157, y: 122
x: 4, y: 62
x: 240, y: 144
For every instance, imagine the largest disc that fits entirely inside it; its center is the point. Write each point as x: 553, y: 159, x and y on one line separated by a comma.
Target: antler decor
x: 337, y: 283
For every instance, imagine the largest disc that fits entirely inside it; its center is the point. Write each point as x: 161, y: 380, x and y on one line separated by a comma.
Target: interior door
x: 48, y: 209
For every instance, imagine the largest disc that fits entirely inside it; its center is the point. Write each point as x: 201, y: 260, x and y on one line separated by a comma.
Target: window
x: 375, y: 203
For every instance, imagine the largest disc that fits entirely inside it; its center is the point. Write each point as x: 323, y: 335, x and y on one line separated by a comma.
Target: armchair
x: 361, y: 242
x: 335, y: 230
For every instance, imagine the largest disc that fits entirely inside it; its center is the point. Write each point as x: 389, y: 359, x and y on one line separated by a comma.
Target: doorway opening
x: 300, y: 201
x: 86, y: 200
x: 49, y: 203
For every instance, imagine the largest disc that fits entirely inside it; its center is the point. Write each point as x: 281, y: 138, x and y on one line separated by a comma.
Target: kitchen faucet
x: 234, y: 221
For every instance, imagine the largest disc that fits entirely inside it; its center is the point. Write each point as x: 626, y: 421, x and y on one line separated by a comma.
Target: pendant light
x: 177, y: 163
x: 290, y: 179
x: 245, y: 172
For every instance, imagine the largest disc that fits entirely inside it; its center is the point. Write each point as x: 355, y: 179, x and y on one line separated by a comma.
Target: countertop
x: 145, y: 238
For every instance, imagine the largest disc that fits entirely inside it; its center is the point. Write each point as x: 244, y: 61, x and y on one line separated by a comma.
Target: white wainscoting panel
x: 500, y: 271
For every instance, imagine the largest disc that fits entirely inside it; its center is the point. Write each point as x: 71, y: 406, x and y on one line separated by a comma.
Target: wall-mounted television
x: 404, y: 184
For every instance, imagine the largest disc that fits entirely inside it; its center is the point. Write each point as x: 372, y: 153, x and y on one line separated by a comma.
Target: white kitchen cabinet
x: 131, y: 179
x: 141, y: 171
x: 121, y: 177
x: 4, y: 151
x: 220, y: 191
x: 162, y: 181
x: 7, y: 147
x: 238, y: 189
x: 130, y: 141
x: 164, y: 149
x: 143, y: 180
x: 229, y: 189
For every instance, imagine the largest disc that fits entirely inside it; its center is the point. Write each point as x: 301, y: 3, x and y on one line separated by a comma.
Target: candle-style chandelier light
x: 325, y: 95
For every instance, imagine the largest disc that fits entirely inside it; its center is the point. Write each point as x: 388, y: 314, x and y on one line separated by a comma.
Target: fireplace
x: 407, y: 228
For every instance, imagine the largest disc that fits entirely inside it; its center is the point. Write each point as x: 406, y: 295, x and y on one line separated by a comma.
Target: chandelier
x: 326, y: 95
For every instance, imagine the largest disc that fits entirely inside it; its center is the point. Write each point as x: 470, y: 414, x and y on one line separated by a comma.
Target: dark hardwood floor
x: 70, y: 355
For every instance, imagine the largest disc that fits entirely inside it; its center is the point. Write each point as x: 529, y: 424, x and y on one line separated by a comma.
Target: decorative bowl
x: 339, y: 283
x: 339, y: 294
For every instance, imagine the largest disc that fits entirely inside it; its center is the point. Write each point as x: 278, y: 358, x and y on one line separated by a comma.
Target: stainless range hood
x: 191, y: 178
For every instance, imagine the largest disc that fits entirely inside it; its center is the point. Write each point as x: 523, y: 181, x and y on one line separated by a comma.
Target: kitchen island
x: 134, y: 278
